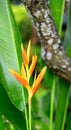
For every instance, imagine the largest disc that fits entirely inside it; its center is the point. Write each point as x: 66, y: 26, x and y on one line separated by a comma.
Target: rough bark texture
x: 52, y: 51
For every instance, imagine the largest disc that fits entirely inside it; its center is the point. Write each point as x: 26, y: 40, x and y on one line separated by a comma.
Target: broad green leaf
x: 10, y: 112
x: 67, y: 41
x: 57, y: 10
x: 10, y: 54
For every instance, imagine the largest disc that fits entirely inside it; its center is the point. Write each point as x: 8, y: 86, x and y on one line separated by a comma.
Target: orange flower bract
x: 27, y: 70
x: 38, y: 80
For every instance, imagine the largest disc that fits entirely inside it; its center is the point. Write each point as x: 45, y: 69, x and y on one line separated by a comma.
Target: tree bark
x: 52, y: 50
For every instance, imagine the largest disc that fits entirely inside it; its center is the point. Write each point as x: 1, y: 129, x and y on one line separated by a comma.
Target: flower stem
x: 29, y: 105
x: 26, y: 116
x: 52, y: 104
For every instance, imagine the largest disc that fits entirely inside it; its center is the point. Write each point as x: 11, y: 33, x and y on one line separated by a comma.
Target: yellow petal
x: 28, y: 51
x: 33, y: 64
x: 24, y: 55
x: 20, y: 79
x: 38, y: 80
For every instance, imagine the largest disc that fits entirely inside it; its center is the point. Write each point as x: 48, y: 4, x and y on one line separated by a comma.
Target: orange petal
x: 33, y: 64
x: 20, y: 79
x: 28, y: 51
x: 38, y: 80
x: 24, y: 55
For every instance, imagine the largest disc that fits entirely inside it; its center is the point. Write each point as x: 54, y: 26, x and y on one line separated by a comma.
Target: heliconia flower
x: 27, y: 70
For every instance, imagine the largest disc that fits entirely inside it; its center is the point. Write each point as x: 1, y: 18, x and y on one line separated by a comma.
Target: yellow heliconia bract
x: 27, y: 70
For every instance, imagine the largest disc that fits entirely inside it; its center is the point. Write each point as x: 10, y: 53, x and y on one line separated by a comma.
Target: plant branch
x: 52, y: 50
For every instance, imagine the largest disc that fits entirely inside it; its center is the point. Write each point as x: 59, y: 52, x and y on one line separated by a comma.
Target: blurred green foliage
x: 23, y: 20
x: 42, y: 99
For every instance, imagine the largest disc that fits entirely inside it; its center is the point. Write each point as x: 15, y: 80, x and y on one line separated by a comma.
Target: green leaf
x: 63, y: 97
x: 68, y: 121
x: 1, y: 123
x: 67, y: 41
x: 46, y: 101
x: 10, y: 54
x: 57, y: 10
x: 67, y: 46
x: 48, y: 74
x: 10, y: 112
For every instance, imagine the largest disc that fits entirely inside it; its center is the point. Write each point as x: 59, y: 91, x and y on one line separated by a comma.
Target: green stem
x: 26, y: 116
x: 29, y: 105
x: 52, y: 104
x: 67, y: 100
